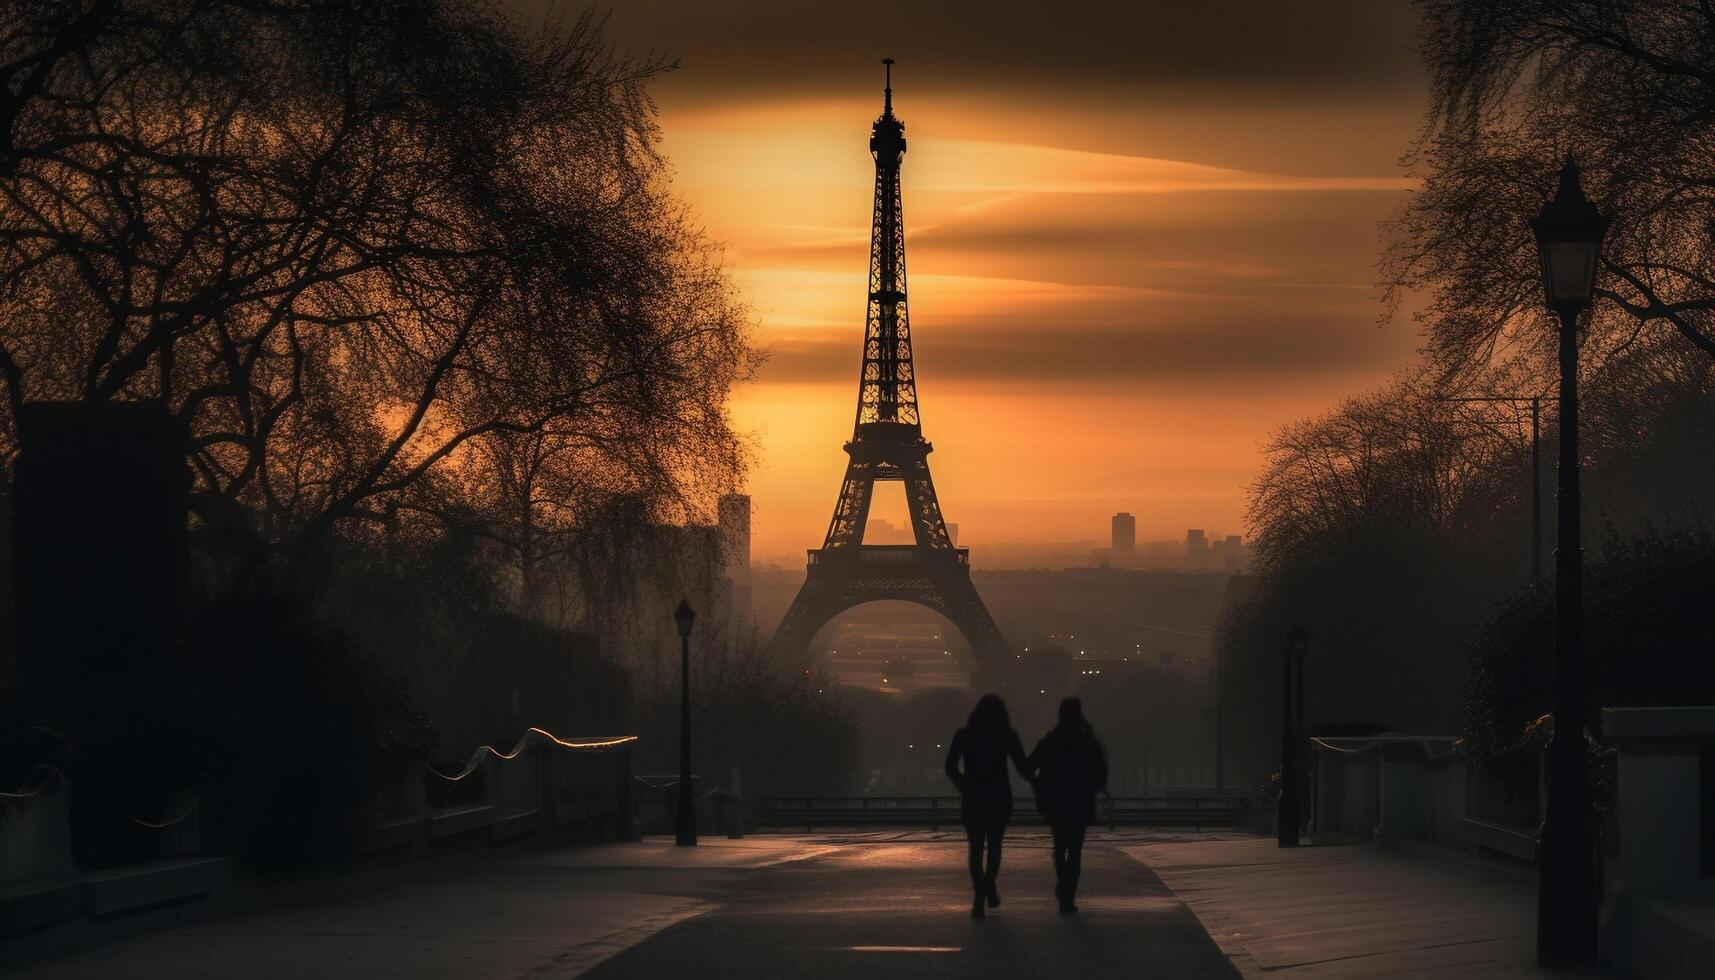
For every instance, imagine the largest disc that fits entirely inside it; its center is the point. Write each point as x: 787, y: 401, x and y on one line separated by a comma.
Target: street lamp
x: 685, y: 823
x: 1569, y: 234
x: 1292, y: 669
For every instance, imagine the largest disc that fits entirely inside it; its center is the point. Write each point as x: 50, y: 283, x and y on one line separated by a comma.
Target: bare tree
x: 1400, y: 458
x: 349, y: 245
x: 1627, y: 88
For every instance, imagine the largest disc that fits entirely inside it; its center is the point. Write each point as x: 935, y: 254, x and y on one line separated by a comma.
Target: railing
x: 547, y: 787
x: 552, y: 788
x: 1420, y: 788
x: 934, y: 812
x: 888, y: 553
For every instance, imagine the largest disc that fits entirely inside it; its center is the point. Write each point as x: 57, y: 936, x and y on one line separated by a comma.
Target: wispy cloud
x: 795, y: 158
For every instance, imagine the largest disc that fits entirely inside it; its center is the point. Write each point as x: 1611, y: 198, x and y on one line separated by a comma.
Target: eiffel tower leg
x: 964, y: 606
x: 851, y: 511
x: 926, y: 520
x: 817, y: 602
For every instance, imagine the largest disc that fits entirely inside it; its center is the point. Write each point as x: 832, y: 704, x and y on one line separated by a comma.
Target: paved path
x: 901, y: 909
x: 827, y: 906
x: 511, y: 913
x: 1339, y: 912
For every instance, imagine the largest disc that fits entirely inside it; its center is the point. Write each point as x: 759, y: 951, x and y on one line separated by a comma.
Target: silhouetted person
x: 1069, y: 768
x: 985, y: 794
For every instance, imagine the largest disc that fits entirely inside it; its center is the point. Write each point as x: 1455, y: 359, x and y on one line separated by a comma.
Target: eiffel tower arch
x: 887, y: 444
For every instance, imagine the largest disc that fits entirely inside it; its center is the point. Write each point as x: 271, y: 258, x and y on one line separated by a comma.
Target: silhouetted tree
x: 788, y: 731
x: 347, y: 244
x: 1391, y: 527
x: 1400, y: 458
x: 1625, y: 86
x: 1384, y: 527
x: 1647, y: 642
x: 410, y: 276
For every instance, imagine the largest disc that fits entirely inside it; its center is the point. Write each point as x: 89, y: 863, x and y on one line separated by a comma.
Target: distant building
x: 879, y: 531
x: 1228, y: 554
x: 1124, y: 537
x: 953, y: 532
x: 1196, y: 548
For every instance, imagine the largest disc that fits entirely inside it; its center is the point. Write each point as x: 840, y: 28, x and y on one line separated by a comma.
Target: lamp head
x: 1569, y: 233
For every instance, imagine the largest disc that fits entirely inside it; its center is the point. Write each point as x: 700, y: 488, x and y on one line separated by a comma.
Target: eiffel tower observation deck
x: 887, y: 444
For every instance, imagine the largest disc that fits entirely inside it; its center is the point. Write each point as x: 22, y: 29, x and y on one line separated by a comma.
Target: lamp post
x: 1292, y: 667
x: 685, y: 822
x: 1569, y: 234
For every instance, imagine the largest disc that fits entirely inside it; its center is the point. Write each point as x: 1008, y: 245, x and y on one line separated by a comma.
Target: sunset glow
x: 1142, y: 295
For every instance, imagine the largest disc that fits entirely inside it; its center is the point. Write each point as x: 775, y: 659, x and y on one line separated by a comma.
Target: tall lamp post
x: 1569, y: 234
x: 1292, y: 674
x: 685, y: 823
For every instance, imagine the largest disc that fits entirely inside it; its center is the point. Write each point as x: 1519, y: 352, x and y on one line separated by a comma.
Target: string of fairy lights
x: 43, y: 775
x: 483, y: 752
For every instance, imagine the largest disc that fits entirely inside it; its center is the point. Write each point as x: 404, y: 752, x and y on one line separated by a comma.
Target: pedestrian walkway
x: 514, y: 913
x: 866, y: 904
x: 828, y: 906
x: 1357, y: 911
x: 897, y: 905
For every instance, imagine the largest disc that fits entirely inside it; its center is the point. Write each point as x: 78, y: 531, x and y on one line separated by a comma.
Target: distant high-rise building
x: 953, y: 532
x: 1196, y: 547
x: 1124, y: 537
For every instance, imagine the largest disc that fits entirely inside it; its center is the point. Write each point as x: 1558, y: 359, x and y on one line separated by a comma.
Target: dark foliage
x: 1384, y: 529
x: 410, y: 276
x: 290, y: 729
x: 787, y: 731
x: 271, y: 729
x: 1649, y: 630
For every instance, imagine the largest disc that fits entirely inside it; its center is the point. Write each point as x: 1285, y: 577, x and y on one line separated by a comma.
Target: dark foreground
x: 898, y: 910
x: 870, y: 905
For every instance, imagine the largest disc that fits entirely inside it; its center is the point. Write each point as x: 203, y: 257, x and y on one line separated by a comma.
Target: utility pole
x: 1535, y: 402
x: 685, y: 821
x: 1287, y: 811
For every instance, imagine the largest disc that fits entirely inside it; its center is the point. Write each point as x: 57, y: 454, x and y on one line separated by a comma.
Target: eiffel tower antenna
x: 887, y: 444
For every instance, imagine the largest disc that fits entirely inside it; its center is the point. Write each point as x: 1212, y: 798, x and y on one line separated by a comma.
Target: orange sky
x: 1131, y: 257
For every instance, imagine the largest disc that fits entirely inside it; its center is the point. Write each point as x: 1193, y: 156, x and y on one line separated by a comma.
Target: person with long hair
x: 976, y: 763
x: 1068, y: 768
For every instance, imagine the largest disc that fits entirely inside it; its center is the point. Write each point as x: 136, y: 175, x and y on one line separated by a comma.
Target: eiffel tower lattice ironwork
x: 887, y: 444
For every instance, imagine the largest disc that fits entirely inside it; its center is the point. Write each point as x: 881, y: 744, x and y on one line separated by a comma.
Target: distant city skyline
x: 1151, y: 552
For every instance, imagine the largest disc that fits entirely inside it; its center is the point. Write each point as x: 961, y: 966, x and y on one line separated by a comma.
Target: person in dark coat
x: 1068, y: 767
x: 983, y: 747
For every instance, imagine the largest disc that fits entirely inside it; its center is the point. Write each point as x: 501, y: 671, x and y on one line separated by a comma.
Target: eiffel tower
x: 887, y: 444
